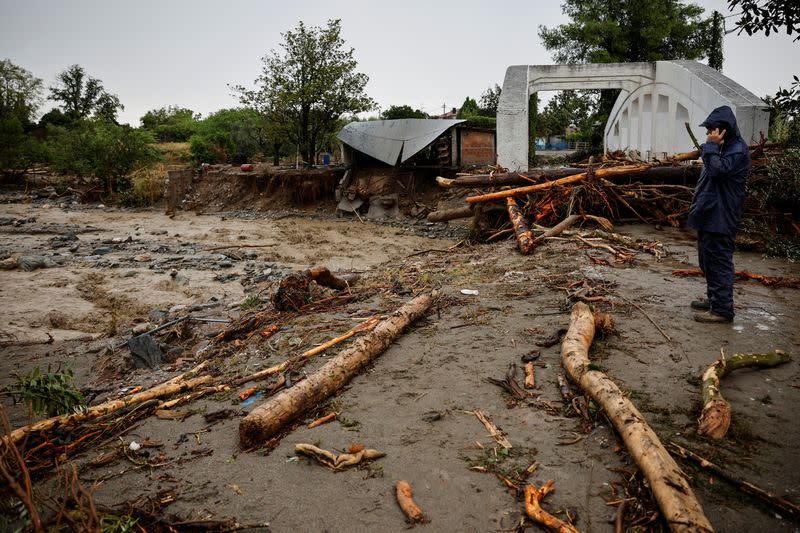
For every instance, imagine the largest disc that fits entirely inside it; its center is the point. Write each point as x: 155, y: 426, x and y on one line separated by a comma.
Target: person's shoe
x: 700, y: 305
x: 710, y: 317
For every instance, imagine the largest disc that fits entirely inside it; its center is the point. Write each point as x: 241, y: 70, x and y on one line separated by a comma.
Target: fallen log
x: 530, y: 375
x: 160, y: 391
x: 779, y: 504
x: 533, y: 508
x: 716, y: 415
x: 480, y: 181
x: 675, y: 497
x: 292, y: 294
x: 525, y: 241
x: 267, y: 420
x: 569, y: 180
x: 406, y: 502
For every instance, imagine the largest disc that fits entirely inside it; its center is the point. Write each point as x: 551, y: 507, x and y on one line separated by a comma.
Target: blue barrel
x: 326, y: 159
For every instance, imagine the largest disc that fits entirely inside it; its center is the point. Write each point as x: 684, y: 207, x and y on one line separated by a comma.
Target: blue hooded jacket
x: 719, y: 196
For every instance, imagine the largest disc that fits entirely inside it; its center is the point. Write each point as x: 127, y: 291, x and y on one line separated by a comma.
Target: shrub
x: 147, y: 187
x: 100, y: 150
x: 228, y: 136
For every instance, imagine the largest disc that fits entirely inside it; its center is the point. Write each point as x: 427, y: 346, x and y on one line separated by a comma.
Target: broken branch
x: 716, y: 416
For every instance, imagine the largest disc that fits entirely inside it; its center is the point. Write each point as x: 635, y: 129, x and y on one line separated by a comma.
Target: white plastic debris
x: 134, y: 446
x: 470, y: 292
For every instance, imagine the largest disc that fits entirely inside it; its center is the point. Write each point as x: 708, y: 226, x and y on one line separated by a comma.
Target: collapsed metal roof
x: 394, y: 141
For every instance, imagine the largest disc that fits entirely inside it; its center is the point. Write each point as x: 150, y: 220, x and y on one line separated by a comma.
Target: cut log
x: 480, y: 181
x: 530, y: 375
x: 160, y: 391
x: 716, y: 416
x: 267, y: 420
x: 569, y: 180
x: 675, y: 497
x: 533, y: 508
x: 525, y: 241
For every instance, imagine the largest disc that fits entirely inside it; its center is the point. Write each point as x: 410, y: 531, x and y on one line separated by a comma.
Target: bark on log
x: 569, y: 180
x: 267, y: 420
x: 675, y: 497
x: 106, y: 408
x: 525, y: 240
x: 715, y: 419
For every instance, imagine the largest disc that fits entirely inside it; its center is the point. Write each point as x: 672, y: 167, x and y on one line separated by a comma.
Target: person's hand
x: 715, y: 135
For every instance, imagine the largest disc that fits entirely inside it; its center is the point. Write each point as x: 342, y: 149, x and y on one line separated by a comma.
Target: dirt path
x: 413, y: 403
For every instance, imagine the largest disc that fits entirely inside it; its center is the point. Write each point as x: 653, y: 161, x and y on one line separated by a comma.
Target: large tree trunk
x: 267, y: 420
x: 670, y: 488
x: 569, y: 180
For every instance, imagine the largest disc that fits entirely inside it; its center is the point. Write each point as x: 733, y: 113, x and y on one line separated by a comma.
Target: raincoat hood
x: 723, y: 115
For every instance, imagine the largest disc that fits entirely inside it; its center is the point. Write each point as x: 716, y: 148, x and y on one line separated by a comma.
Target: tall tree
x: 468, y: 109
x: 307, y: 86
x: 715, y: 34
x: 611, y: 31
x: 82, y: 95
x: 20, y: 97
x: 490, y: 100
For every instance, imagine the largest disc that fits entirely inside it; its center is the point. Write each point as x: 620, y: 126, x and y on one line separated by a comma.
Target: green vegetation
x: 228, y: 136
x: 171, y: 124
x: 402, y: 111
x: 20, y: 97
x: 304, y: 89
x: 47, y: 394
x: 82, y: 96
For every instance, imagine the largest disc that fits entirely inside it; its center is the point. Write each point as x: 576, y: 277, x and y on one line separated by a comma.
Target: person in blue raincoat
x: 716, y: 210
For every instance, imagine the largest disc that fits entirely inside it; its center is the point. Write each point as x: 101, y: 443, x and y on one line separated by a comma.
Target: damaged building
x: 392, y: 159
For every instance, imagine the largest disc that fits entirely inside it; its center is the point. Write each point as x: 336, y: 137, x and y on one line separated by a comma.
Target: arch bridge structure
x: 655, y: 102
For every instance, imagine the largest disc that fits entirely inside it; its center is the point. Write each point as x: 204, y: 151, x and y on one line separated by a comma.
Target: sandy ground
x: 413, y: 403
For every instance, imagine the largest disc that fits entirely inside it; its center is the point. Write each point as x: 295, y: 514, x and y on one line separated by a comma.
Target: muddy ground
x: 118, y: 269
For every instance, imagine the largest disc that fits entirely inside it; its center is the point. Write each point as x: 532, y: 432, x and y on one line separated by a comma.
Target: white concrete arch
x: 655, y: 101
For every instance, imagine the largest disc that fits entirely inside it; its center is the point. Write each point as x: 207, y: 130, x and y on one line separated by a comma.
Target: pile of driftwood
x: 613, y: 188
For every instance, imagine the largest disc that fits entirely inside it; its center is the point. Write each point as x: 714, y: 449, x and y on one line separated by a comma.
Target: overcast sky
x: 423, y: 53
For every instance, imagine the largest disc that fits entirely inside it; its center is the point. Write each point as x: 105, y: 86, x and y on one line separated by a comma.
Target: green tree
x: 402, y: 111
x: 767, y: 15
x: 170, y: 124
x: 490, y: 99
x: 468, y: 109
x: 100, y: 150
x: 81, y: 96
x: 565, y: 108
x: 306, y: 87
x: 229, y: 136
x: 618, y: 31
x: 715, y: 34
x: 20, y: 97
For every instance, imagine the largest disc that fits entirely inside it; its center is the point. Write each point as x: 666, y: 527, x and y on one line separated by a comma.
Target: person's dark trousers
x: 715, y: 255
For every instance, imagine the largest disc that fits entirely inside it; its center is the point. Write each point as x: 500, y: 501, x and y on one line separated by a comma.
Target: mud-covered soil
x: 118, y: 269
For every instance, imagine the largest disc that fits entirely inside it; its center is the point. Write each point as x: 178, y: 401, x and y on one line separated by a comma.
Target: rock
x: 176, y: 308
x: 9, y: 263
x: 29, y: 263
x: 156, y: 316
x: 225, y: 264
x: 145, y: 352
x: 102, y: 250
x: 130, y: 274
x: 141, y: 258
